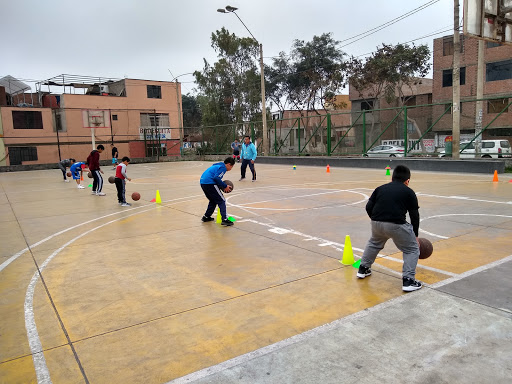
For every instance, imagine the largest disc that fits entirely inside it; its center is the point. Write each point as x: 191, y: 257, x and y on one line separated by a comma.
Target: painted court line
x: 321, y: 329
x: 287, y: 342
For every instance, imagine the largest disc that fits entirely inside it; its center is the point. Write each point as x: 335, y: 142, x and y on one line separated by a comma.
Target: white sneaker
x: 126, y: 205
x: 81, y: 187
x: 66, y: 181
x: 93, y: 192
x: 100, y: 194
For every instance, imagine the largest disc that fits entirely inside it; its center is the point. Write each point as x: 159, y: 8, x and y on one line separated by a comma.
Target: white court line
x: 304, y: 336
x: 463, y: 198
x: 290, y: 341
x: 36, y: 348
x: 458, y: 214
x: 41, y: 368
x: 248, y: 207
x: 14, y: 257
x: 337, y: 246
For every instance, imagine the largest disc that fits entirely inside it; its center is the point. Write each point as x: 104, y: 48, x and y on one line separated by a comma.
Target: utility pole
x: 479, y: 95
x: 180, y: 127
x: 456, y: 83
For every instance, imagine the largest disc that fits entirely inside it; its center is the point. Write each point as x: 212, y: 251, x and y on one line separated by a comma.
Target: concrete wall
x: 434, y: 165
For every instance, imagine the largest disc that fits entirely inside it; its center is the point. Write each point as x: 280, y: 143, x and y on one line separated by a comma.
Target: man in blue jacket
x: 212, y: 185
x: 248, y: 157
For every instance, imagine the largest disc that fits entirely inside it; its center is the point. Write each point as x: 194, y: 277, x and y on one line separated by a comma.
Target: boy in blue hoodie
x: 212, y: 185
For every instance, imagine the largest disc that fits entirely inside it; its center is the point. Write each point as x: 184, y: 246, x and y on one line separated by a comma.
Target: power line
x: 388, y: 23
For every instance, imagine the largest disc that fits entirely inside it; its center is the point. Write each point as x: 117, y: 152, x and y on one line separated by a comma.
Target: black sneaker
x: 227, y: 223
x: 205, y: 219
x: 363, y: 272
x: 242, y: 179
x: 410, y: 285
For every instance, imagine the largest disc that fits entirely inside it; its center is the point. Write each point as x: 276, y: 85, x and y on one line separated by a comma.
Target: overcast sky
x: 145, y: 39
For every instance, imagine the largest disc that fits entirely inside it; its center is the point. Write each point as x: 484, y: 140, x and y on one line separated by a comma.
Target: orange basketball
x: 111, y: 179
x: 69, y: 174
x: 135, y: 196
x: 89, y: 174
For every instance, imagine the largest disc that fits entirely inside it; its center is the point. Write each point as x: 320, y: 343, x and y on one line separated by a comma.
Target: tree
x: 191, y: 111
x: 387, y: 73
x: 309, y: 77
x: 229, y: 88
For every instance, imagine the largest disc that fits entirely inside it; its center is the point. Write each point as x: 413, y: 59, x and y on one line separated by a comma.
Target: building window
x: 114, y: 117
x: 152, y: 120
x: 19, y: 154
x: 409, y: 101
x: 493, y: 44
x: 367, y: 105
x: 497, y: 105
x: 448, y: 77
x: 58, y: 122
x: 154, y: 92
x: 448, y: 45
x: 500, y: 70
x: 27, y: 120
x: 501, y: 132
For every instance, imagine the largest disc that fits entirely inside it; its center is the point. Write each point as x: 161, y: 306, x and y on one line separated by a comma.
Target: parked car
x: 467, y: 153
x: 385, y: 151
x: 495, y: 148
x: 488, y: 149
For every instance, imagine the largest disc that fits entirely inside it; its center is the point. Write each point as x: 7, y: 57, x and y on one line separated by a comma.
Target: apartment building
x: 47, y: 125
x: 496, y: 112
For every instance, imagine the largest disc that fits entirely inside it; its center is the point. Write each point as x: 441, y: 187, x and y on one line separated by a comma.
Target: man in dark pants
x: 115, y: 155
x: 387, y: 208
x: 94, y: 166
x: 248, y: 155
x: 63, y: 164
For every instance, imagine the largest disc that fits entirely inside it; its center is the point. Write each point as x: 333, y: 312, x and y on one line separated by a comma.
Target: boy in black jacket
x: 387, y: 208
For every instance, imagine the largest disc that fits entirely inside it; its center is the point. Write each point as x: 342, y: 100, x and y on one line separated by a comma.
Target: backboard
x: 489, y: 20
x: 96, y: 118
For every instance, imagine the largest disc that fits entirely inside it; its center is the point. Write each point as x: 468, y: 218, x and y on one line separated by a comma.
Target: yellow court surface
x: 94, y: 292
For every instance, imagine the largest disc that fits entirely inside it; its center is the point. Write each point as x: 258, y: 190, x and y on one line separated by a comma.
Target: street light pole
x: 265, y: 141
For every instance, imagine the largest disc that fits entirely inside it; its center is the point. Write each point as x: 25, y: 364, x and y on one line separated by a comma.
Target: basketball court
x: 149, y: 293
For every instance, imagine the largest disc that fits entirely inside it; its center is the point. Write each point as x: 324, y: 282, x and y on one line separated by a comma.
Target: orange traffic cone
x: 495, y: 178
x: 328, y: 169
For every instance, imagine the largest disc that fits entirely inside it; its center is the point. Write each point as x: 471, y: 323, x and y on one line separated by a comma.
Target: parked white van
x: 468, y: 153
x: 488, y: 149
x: 495, y: 148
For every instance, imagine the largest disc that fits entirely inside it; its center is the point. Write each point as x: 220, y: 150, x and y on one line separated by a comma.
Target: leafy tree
x: 191, y: 111
x: 309, y: 77
x: 388, y: 73
x: 229, y: 89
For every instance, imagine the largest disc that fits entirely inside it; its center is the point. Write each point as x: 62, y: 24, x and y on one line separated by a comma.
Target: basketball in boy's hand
x: 69, y: 174
x: 135, y: 196
x: 112, y: 179
x: 228, y: 182
x: 89, y: 175
x: 426, y: 247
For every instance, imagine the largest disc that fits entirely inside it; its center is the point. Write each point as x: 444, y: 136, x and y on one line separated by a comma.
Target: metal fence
x: 422, y: 130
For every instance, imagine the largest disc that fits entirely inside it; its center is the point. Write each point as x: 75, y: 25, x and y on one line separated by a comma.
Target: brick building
x: 384, y: 122
x: 293, y: 132
x: 46, y: 126
x: 497, y: 88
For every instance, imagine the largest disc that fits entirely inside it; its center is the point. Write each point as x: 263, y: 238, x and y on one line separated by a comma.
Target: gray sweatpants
x: 404, y: 238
